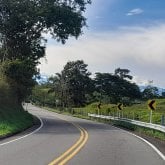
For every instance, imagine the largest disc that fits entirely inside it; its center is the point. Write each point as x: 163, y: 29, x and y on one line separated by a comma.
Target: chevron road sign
x: 152, y: 104
x: 120, y: 106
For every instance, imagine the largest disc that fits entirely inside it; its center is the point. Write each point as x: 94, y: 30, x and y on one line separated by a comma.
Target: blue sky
x: 121, y: 33
x: 110, y: 14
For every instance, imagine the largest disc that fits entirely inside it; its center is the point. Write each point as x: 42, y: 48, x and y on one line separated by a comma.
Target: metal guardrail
x: 139, y: 123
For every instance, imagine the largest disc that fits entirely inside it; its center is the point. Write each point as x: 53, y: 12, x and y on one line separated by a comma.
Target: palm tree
x: 59, y: 88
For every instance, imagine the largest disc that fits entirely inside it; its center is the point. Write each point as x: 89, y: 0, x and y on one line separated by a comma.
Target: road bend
x: 72, y: 141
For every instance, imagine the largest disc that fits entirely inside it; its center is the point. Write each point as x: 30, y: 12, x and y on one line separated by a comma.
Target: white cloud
x: 139, y: 49
x: 99, y: 17
x: 135, y: 12
x: 143, y: 82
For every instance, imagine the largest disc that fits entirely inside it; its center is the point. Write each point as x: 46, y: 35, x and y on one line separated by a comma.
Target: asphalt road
x: 106, y: 144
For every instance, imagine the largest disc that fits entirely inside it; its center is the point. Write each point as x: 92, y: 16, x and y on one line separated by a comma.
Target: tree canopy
x: 73, y: 87
x: 150, y: 92
x: 123, y: 73
x: 115, y: 87
x: 22, y: 25
x: 73, y: 84
x: 23, y: 22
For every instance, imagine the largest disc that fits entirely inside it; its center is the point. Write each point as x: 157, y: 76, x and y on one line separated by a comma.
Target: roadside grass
x: 137, y: 112
x: 140, y: 130
x: 79, y: 112
x: 13, y: 120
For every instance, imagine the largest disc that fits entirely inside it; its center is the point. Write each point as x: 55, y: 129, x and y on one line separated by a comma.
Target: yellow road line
x: 67, y: 152
x: 75, y: 151
x: 72, y: 151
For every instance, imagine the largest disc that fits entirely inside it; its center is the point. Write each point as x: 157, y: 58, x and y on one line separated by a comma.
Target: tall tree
x: 23, y: 23
x: 78, y: 82
x: 150, y: 92
x: 59, y: 88
x: 115, y: 87
x: 163, y: 94
x: 19, y: 74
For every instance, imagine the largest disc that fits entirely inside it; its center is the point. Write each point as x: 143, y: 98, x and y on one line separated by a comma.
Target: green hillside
x: 14, y: 120
x: 138, y: 111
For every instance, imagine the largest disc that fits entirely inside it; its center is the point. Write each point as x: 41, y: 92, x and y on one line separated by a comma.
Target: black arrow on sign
x: 120, y: 106
x: 151, y: 104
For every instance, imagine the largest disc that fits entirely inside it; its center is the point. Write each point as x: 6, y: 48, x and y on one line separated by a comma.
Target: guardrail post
x: 163, y: 120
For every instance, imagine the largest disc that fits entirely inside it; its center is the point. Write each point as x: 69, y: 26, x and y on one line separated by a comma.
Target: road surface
x: 86, y: 143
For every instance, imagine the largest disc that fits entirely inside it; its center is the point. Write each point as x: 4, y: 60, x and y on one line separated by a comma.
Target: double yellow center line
x: 73, y: 150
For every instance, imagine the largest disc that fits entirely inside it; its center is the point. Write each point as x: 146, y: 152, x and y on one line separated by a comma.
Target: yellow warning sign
x: 152, y: 104
x: 120, y: 106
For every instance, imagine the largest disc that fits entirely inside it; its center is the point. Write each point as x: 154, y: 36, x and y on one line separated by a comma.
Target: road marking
x: 144, y: 140
x: 2, y: 144
x: 151, y: 145
x: 73, y: 150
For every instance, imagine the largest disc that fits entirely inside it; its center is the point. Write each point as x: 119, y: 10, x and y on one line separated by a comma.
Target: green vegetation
x: 74, y: 92
x: 71, y: 86
x: 74, y: 87
x: 22, y: 44
x: 13, y: 120
x: 150, y: 92
x: 12, y: 116
x: 140, y: 130
x: 111, y: 109
x: 138, y: 111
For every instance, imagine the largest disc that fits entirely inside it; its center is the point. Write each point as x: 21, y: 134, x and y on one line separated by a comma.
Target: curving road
x: 106, y: 145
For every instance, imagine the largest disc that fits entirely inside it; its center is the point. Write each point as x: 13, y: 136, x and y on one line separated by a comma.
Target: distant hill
x: 43, y: 79
x: 160, y: 90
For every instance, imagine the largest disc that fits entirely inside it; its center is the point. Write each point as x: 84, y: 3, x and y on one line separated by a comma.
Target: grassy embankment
x: 137, y: 111
x: 13, y: 118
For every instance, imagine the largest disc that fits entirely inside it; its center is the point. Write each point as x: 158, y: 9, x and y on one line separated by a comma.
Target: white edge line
x: 144, y: 140
x: 151, y: 145
x: 25, y: 135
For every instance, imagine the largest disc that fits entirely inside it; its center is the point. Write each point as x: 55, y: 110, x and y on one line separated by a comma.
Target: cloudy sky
x: 121, y: 33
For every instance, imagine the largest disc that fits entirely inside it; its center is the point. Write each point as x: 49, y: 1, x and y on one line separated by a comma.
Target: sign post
x: 120, y: 108
x: 150, y: 116
x: 151, y: 106
x: 99, y: 107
